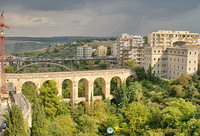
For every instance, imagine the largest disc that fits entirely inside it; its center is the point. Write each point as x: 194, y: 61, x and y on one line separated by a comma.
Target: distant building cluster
x: 169, y: 53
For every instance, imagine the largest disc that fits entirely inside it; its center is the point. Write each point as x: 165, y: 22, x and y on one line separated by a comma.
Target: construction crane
x: 4, y: 92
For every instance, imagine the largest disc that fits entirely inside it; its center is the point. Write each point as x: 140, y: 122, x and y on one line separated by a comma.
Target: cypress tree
x: 14, y: 121
x: 38, y: 120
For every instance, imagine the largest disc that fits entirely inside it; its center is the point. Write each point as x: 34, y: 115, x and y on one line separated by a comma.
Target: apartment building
x: 131, y: 47
x: 84, y: 51
x: 101, y: 51
x: 167, y: 38
x: 171, y: 62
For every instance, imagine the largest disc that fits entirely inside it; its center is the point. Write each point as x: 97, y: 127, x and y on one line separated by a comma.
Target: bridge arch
x: 99, y: 87
x: 29, y: 90
x: 83, y: 90
x: 67, y: 89
x: 40, y: 63
x: 115, y: 83
x: 130, y: 80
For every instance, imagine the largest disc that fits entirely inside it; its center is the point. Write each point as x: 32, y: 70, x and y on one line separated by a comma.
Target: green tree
x: 87, y: 126
x: 131, y: 63
x: 62, y: 125
x: 176, y: 90
x: 38, y: 120
x: 49, y: 99
x: 14, y: 121
x: 184, y: 79
x: 176, y: 113
x: 28, y: 89
x: 9, y: 69
x: 137, y: 114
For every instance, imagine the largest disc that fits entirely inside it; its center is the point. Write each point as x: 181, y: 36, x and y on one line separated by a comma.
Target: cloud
x: 17, y: 20
x: 99, y: 17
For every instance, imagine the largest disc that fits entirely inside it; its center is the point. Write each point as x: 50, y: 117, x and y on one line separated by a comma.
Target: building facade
x: 101, y: 51
x: 84, y: 51
x: 131, y: 47
x: 167, y: 38
x: 171, y: 62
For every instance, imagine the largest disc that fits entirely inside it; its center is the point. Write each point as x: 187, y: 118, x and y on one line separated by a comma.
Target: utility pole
x: 4, y: 91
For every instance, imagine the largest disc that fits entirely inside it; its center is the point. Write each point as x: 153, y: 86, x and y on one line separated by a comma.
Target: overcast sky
x: 98, y: 17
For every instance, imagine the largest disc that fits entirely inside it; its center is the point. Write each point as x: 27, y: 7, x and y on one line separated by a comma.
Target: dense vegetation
x: 67, y: 49
x: 145, y: 104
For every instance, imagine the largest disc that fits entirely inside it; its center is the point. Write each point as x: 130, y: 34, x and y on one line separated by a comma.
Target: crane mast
x: 4, y: 93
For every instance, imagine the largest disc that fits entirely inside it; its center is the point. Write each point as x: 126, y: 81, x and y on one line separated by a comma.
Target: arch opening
x: 83, y: 88
x: 29, y: 90
x: 67, y: 89
x: 99, y: 87
x: 130, y: 80
x: 114, y: 84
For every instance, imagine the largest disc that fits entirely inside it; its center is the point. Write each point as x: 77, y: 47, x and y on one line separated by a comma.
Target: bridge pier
x: 107, y: 89
x: 90, y: 92
x: 74, y: 98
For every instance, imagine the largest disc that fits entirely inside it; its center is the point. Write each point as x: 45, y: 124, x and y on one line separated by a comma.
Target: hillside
x: 67, y: 49
x: 30, y: 44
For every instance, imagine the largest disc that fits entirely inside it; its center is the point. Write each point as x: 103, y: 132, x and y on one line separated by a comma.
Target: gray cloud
x: 99, y: 17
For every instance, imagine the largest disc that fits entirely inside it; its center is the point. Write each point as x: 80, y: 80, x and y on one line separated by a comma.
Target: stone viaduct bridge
x: 18, y: 79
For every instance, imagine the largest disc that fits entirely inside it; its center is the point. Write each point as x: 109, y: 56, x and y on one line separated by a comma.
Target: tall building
x: 168, y: 38
x: 115, y: 50
x: 171, y: 62
x: 101, y: 51
x: 131, y: 47
x: 84, y: 51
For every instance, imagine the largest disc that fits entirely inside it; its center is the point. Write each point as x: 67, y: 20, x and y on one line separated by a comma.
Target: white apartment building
x: 171, y: 62
x: 131, y: 47
x: 84, y: 51
x: 167, y: 38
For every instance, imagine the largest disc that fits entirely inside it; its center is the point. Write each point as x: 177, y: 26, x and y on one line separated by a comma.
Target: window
x: 190, y: 53
x: 189, y: 61
x: 182, y: 67
x: 158, y: 51
x: 158, y: 65
x: 195, y: 53
x: 174, y: 59
x: 189, y: 68
x: 194, y: 61
x: 154, y: 51
x: 174, y: 51
x: 158, y: 59
x: 183, y: 52
x: 194, y: 69
x: 158, y: 71
x: 154, y: 58
x: 178, y: 60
